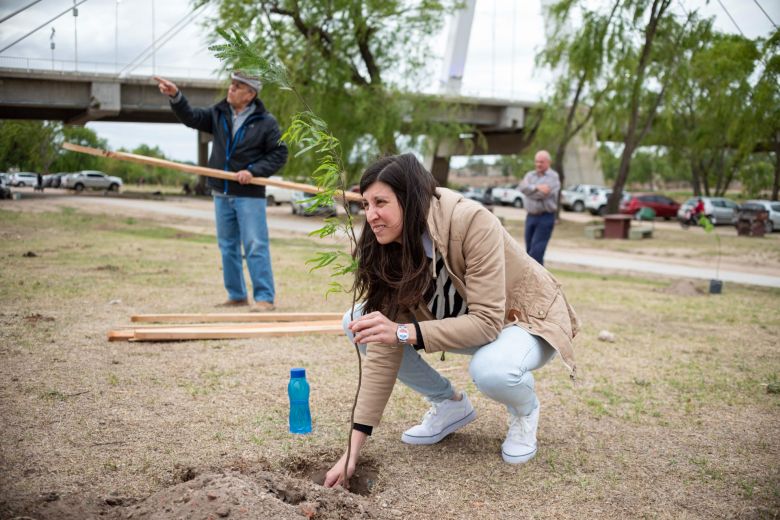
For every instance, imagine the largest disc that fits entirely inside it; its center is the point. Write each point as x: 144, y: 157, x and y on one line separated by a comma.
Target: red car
x: 663, y: 206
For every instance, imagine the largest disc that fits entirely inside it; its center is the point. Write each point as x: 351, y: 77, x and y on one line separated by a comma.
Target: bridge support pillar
x: 437, y: 160
x: 440, y: 168
x: 203, y: 148
x: 203, y: 160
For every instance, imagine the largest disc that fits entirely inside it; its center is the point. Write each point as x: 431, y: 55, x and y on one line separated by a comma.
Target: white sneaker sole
x: 433, y: 439
x: 517, y: 459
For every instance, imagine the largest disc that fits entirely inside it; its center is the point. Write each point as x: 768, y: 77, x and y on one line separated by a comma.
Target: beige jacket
x: 501, y: 284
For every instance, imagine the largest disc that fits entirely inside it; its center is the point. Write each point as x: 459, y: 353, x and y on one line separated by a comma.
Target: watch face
x: 402, y: 333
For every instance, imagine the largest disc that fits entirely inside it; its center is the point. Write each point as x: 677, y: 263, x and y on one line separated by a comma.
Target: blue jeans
x: 241, y: 220
x: 501, y: 369
x: 538, y: 230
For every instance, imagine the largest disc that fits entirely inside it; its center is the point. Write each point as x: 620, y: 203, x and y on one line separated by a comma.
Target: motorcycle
x: 692, y: 219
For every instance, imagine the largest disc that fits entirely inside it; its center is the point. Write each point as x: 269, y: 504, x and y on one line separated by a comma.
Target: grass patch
x: 683, y: 404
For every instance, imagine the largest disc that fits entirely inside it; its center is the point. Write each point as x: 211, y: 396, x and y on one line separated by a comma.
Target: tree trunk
x: 560, y: 153
x: 695, y: 177
x: 631, y: 140
x: 776, y: 183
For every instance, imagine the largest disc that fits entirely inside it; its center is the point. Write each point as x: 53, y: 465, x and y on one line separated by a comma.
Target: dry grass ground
x: 678, y: 418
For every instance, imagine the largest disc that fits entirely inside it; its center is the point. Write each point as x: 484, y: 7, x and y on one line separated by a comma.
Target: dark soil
x: 683, y: 287
x: 234, y: 494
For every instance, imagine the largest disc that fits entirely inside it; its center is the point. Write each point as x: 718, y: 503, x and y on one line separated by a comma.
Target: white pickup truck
x: 574, y: 198
x: 509, y: 195
x: 275, y: 195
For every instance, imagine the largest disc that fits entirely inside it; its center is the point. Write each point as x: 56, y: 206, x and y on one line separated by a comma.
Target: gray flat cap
x: 252, y: 81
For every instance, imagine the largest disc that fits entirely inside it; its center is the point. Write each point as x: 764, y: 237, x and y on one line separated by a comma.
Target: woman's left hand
x: 374, y: 327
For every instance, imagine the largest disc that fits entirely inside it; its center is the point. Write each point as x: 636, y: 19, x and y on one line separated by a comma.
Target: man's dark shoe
x: 234, y: 303
x: 262, y: 307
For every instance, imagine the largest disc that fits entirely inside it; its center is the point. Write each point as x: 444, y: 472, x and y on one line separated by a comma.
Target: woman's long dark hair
x: 394, y: 277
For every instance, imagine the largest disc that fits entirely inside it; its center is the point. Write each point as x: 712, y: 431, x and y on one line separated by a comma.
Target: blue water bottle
x: 298, y: 391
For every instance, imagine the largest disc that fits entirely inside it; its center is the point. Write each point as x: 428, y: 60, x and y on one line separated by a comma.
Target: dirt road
x: 196, y: 215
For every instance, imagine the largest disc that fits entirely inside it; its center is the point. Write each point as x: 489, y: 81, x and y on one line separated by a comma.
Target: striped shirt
x: 444, y: 300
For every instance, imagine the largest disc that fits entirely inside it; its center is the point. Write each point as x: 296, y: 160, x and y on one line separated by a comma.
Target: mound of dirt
x: 213, y: 495
x: 683, y: 287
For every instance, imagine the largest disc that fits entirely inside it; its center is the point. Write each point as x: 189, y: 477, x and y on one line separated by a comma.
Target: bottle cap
x: 297, y: 372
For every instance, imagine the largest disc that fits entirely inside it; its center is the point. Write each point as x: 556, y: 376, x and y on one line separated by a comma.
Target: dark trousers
x: 538, y: 230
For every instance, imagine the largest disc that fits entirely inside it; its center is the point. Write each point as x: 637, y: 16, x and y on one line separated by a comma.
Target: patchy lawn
x: 678, y: 418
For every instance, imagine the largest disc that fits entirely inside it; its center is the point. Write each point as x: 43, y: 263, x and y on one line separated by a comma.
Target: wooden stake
x: 202, y: 170
x: 184, y: 333
x: 236, y: 317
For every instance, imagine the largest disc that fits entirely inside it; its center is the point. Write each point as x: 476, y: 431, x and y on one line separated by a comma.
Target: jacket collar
x: 439, y: 218
x: 224, y: 107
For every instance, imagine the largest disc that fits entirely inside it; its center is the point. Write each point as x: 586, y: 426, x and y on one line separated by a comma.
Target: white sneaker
x: 520, y: 443
x: 441, y: 420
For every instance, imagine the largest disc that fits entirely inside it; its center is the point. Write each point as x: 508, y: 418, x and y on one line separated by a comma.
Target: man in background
x: 540, y: 187
x: 247, y: 141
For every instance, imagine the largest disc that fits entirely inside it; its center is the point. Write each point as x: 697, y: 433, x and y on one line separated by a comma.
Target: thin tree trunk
x: 695, y: 177
x: 705, y: 179
x: 631, y: 140
x: 558, y: 167
x: 776, y: 183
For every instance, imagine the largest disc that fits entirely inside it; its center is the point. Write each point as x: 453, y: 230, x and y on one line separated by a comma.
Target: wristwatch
x: 402, y: 333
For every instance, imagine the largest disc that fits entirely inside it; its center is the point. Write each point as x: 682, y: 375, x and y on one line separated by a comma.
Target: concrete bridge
x: 499, y: 126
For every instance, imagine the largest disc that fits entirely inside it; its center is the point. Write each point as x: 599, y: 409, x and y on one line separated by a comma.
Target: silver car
x: 773, y: 207
x: 91, y: 179
x: 24, y: 179
x: 719, y: 210
x: 302, y: 204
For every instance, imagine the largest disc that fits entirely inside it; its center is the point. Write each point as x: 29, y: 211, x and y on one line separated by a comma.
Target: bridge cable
x: 732, y: 19
x: 493, y: 51
x: 19, y: 11
x: 766, y: 14
x: 162, y: 40
x: 42, y: 25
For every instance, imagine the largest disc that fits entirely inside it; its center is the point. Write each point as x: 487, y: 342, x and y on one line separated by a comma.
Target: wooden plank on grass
x: 192, y: 333
x: 251, y: 317
x: 120, y: 335
x: 265, y: 325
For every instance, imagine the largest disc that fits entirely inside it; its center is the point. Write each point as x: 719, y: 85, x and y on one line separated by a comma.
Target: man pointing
x: 247, y: 142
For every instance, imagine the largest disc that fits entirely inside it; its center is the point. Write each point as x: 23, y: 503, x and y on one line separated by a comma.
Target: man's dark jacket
x: 256, y: 146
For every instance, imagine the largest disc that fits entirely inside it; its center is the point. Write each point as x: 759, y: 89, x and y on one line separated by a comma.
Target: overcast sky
x: 108, y: 34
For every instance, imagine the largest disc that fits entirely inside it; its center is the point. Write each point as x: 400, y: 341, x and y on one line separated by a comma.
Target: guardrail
x: 97, y: 67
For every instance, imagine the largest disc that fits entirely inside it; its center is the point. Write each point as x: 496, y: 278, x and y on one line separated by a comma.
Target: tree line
x: 666, y: 94
x: 643, y: 74
x: 35, y: 146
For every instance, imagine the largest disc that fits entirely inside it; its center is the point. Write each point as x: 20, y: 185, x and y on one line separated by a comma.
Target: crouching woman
x: 438, y: 272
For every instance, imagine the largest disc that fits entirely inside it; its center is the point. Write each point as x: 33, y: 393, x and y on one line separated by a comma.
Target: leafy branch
x: 308, y: 133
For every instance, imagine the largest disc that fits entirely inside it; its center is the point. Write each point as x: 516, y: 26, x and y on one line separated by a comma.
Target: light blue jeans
x: 501, y: 369
x: 241, y: 220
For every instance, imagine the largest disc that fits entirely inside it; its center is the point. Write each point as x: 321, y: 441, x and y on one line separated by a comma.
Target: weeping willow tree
x: 358, y: 64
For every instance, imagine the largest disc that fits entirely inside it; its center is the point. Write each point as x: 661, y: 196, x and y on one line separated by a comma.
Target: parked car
x: 662, y: 205
x: 53, y: 180
x: 596, y: 202
x: 24, y: 179
x: 303, y: 202
x: 718, y: 209
x: 91, y: 179
x: 275, y: 195
x: 481, y: 195
x: 5, y: 191
x: 573, y: 198
x: 509, y: 195
x: 773, y: 207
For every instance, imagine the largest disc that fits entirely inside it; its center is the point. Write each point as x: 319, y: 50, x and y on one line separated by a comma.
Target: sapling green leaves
x: 307, y: 134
